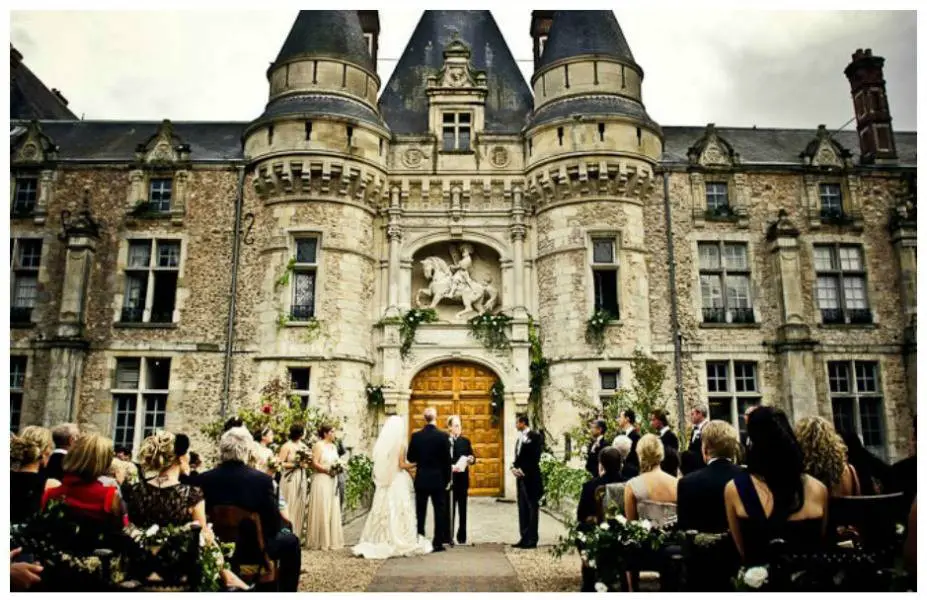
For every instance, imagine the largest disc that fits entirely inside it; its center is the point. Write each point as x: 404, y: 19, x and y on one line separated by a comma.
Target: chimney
x: 870, y: 104
x: 370, y: 24
x: 540, y: 27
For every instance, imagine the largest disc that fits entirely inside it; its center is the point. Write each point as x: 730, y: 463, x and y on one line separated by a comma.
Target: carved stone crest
x: 412, y: 158
x: 499, y: 156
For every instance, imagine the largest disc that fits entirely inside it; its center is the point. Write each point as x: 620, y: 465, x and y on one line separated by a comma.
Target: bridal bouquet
x: 303, y: 457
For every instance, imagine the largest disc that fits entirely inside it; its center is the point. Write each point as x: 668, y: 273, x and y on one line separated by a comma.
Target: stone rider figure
x: 461, y: 270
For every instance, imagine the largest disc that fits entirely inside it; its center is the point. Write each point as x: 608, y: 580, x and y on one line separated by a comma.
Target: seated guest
x: 773, y: 498
x: 234, y: 483
x: 163, y: 500
x: 609, y: 472
x: 63, y: 436
x: 29, y: 452
x: 81, y: 488
x: 653, y: 484
x: 874, y: 475
x: 625, y: 446
x: 701, y: 493
x: 826, y: 456
x: 196, y: 463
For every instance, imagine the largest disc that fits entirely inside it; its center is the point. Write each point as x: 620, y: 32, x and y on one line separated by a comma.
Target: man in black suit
x: 430, y: 451
x: 460, y: 448
x: 63, y: 435
x: 699, y: 417
x: 609, y: 472
x: 628, y: 427
x: 233, y: 483
x: 528, y: 483
x: 660, y: 423
x: 700, y: 506
x: 597, y: 431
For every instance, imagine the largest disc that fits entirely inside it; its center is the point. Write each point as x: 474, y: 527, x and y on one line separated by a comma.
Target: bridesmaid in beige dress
x: 294, y: 482
x: 324, y: 520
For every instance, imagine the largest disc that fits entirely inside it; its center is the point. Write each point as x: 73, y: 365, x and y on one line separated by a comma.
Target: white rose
x: 755, y: 577
x: 152, y: 530
x: 581, y: 537
x: 600, y: 587
x: 622, y: 519
x: 645, y: 524
x: 592, y: 564
x: 899, y: 529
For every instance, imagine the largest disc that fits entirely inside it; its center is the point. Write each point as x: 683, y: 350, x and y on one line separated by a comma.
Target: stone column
x: 394, y: 235
x: 69, y: 345
x: 518, y: 232
x: 904, y: 239
x: 794, y: 344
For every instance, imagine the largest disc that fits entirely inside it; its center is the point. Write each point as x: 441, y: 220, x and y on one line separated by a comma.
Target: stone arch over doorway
x: 463, y: 388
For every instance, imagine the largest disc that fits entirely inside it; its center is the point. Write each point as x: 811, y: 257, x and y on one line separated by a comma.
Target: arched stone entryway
x: 463, y: 388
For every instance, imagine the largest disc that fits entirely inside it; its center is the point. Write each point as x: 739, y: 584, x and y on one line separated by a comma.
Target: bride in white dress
x: 390, y: 529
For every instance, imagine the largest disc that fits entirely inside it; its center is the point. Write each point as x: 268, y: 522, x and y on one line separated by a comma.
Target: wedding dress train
x: 390, y: 529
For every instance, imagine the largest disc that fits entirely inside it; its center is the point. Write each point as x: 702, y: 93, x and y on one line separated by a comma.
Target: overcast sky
x: 733, y: 68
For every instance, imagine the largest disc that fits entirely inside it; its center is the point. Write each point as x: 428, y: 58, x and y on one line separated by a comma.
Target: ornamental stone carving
x: 465, y: 281
x: 499, y: 157
x: 413, y: 158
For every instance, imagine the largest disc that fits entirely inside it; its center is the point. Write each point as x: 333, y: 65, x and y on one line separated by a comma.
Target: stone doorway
x: 462, y: 388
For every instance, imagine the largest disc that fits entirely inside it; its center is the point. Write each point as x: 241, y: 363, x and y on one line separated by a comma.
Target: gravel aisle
x: 538, y: 571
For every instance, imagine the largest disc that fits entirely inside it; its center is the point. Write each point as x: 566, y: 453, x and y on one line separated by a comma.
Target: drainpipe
x: 233, y: 295
x: 674, y: 308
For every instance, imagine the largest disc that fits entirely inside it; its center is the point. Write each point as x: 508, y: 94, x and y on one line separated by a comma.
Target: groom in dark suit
x: 429, y: 451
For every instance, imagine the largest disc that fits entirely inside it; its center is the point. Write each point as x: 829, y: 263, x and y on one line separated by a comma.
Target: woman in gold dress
x: 294, y: 482
x: 323, y: 531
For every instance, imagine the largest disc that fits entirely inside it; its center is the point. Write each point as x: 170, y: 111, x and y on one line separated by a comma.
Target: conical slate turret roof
x: 327, y: 33
x: 404, y: 103
x: 579, y: 32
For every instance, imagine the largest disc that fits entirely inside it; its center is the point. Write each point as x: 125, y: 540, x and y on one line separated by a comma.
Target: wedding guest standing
x: 627, y: 425
x: 64, y: 436
x: 528, y: 483
x: 263, y: 438
x: 700, y: 494
x: 597, y: 431
x: 460, y: 480
x: 29, y: 452
x: 323, y: 529
x: 773, y: 498
x: 825, y: 456
x: 294, y: 481
x: 699, y: 418
x: 660, y: 423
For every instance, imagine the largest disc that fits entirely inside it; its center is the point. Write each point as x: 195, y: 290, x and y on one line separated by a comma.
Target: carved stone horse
x: 476, y: 298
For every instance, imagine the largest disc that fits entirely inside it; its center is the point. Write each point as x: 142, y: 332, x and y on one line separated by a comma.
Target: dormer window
x: 160, y: 192
x: 456, y: 131
x: 831, y: 200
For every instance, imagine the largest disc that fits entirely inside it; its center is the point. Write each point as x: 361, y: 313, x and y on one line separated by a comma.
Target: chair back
x: 609, y: 498
x: 233, y: 524
x: 873, y: 518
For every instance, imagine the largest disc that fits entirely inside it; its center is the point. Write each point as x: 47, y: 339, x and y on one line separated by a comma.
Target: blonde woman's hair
x: 824, y: 451
x: 89, y: 457
x: 29, y: 446
x: 650, y: 452
x: 720, y: 440
x: 157, y: 452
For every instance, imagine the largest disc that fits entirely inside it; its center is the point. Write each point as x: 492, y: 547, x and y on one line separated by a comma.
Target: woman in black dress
x: 773, y: 499
x: 163, y: 500
x: 29, y: 452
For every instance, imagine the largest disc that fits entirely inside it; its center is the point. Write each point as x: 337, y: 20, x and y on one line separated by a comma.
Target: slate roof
x: 404, y: 104
x: 221, y: 141
x: 29, y: 97
x: 589, y: 105
x: 327, y: 33
x: 774, y: 146
x: 312, y: 105
x: 578, y: 32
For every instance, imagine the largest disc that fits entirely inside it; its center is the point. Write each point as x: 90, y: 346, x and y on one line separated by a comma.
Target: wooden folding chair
x: 233, y: 524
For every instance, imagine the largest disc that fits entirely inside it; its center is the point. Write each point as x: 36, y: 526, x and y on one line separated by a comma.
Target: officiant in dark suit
x: 460, y: 448
x: 429, y: 450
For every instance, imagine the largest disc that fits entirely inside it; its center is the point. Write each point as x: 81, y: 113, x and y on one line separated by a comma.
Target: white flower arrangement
x: 604, y: 526
x: 600, y: 587
x: 753, y: 578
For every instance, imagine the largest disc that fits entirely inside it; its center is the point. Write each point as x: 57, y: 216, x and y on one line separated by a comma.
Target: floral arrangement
x: 491, y: 330
x: 497, y: 401
x: 337, y: 468
x: 408, y: 325
x: 303, y: 457
x: 273, y: 463
x: 560, y: 481
x: 278, y: 409
x: 171, y: 546
x: 608, y: 547
x: 375, y: 397
x: 358, y: 481
x: 595, y: 328
x: 752, y: 579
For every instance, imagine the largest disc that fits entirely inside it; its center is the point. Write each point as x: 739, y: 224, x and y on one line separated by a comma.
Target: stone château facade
x: 162, y: 273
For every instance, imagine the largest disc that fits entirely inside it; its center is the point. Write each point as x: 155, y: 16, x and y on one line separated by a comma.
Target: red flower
x: 267, y: 409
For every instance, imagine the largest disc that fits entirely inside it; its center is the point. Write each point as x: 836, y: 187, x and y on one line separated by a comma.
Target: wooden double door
x: 463, y: 389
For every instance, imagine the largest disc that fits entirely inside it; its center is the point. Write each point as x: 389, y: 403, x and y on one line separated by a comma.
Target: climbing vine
x: 497, y: 401
x: 375, y: 397
x: 408, y: 325
x: 491, y: 330
x: 312, y: 326
x: 539, y: 376
x: 285, y: 278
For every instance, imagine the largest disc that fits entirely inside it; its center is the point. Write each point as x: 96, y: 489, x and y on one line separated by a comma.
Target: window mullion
x: 138, y: 437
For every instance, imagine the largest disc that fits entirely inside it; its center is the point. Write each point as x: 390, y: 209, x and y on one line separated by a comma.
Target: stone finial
x: 782, y: 227
x: 82, y: 224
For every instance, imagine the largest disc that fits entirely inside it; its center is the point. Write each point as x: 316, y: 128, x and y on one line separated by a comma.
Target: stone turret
x: 591, y: 150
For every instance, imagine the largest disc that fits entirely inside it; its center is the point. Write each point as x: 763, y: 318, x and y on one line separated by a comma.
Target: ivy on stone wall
x: 595, y: 329
x: 497, y: 401
x: 491, y: 330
